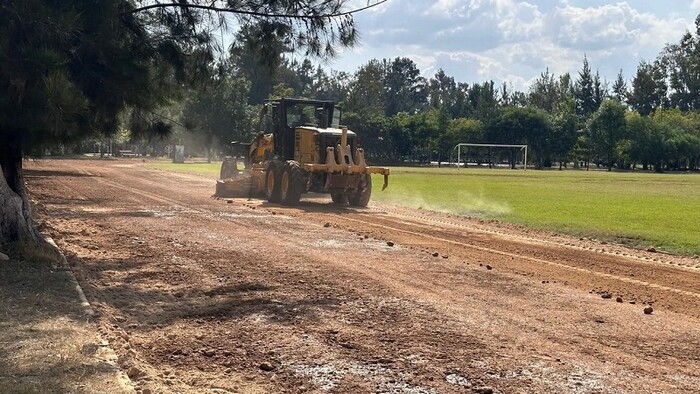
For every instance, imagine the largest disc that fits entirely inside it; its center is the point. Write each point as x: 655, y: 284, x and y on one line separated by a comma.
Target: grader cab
x: 302, y: 148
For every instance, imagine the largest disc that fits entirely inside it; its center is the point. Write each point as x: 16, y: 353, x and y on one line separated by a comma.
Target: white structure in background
x: 179, y: 156
x: 459, y: 150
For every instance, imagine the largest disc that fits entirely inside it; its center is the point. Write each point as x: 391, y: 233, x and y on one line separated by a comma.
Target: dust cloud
x: 462, y: 203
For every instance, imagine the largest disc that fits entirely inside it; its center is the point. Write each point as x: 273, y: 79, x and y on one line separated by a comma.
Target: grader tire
x: 339, y: 198
x: 272, y: 184
x: 291, y: 183
x: 360, y: 198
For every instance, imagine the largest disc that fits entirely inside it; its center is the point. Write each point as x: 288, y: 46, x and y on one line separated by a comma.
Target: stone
x: 229, y: 202
x: 483, y: 390
x: 389, y: 243
x: 651, y: 249
x: 648, y: 310
x: 618, y: 299
x: 267, y: 367
x: 488, y: 267
x: 209, y: 352
x: 606, y: 296
x: 4, y: 257
x: 327, y: 224
x: 436, y: 254
x: 134, y: 372
x: 146, y: 391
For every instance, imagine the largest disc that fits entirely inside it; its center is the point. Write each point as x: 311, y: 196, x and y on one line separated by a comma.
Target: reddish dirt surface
x: 198, y: 294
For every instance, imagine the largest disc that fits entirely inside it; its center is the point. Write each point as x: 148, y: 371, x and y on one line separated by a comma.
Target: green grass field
x: 638, y: 209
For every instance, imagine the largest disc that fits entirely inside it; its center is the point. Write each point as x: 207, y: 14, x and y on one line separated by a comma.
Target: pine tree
x: 584, y: 91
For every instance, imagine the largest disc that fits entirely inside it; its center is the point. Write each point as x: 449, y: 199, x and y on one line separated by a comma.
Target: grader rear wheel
x: 291, y: 183
x: 272, y: 187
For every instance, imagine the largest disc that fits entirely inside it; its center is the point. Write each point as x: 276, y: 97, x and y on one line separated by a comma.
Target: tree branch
x: 255, y: 13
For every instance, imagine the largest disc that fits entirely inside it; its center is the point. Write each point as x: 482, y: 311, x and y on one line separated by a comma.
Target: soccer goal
x: 464, y: 147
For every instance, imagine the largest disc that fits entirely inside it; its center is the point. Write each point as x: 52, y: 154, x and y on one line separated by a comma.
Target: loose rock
x: 267, y: 367
x: 436, y: 254
x: 4, y: 257
x: 389, y: 243
x: 327, y: 225
x: 488, y: 267
x: 618, y: 299
x: 651, y: 249
x: 209, y: 352
x: 606, y: 296
x: 134, y: 372
x: 483, y: 390
x: 648, y: 310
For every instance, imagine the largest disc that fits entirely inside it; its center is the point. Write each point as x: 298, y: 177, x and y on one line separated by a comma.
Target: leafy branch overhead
x: 318, y: 27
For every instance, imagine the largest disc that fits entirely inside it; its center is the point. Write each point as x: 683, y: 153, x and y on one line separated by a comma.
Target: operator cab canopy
x: 294, y: 113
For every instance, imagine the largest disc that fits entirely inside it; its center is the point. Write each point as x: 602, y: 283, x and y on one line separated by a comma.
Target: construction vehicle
x: 302, y: 148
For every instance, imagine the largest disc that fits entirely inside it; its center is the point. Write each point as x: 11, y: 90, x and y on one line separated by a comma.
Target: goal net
x: 491, y: 154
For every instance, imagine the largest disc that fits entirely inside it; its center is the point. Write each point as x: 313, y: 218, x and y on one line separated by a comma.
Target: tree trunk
x: 17, y: 231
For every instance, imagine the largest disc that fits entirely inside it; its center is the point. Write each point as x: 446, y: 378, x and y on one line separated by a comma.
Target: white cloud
x: 515, y: 40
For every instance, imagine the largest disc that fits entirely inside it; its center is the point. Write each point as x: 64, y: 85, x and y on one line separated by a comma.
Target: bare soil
x: 198, y: 294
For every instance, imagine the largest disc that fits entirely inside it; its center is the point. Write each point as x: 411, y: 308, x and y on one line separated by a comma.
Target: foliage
x: 530, y: 126
x: 649, y: 88
x: 607, y: 127
x: 218, y: 111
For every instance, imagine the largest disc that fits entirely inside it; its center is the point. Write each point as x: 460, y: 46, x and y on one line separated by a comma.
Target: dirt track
x: 200, y: 295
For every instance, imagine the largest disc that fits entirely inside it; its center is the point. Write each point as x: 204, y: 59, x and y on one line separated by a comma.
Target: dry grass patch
x: 47, y: 343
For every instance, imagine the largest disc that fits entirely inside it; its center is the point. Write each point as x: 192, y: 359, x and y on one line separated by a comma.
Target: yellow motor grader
x: 301, y: 148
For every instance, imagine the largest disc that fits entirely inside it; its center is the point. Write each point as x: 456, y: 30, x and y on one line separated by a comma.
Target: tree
x: 405, y: 89
x: 607, y: 127
x: 619, y: 88
x: 551, y: 94
x: 443, y: 92
x: 366, y: 91
x: 484, y: 101
x: 563, y: 136
x: 584, y: 91
x: 649, y: 88
x: 70, y: 68
x: 543, y: 92
x: 682, y: 62
x: 515, y: 125
x: 219, y: 111
x: 600, y: 90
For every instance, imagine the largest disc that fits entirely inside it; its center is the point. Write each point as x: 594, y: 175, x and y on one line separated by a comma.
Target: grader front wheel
x: 360, y: 198
x: 339, y: 198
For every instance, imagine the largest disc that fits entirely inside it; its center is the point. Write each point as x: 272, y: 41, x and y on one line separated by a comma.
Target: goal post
x: 467, y: 145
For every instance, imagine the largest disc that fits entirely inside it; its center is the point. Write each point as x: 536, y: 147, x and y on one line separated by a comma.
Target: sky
x: 515, y: 41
